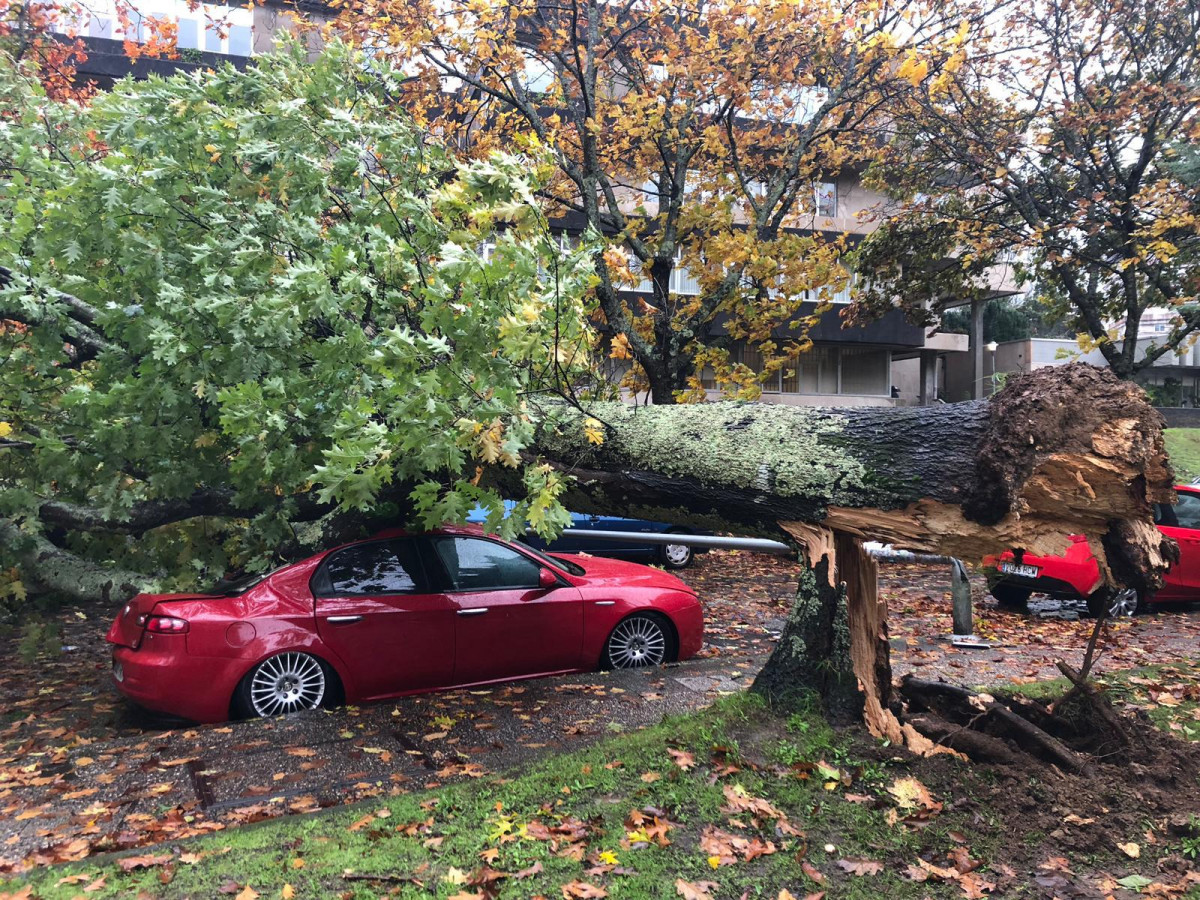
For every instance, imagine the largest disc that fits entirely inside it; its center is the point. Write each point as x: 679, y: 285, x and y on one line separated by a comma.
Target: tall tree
x: 237, y: 301
x: 1049, y: 145
x: 695, y: 138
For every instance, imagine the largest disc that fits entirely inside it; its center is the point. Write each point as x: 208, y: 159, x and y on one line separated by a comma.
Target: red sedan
x: 1076, y: 574
x: 396, y: 614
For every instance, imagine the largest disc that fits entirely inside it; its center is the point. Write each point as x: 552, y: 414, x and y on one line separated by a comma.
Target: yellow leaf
x: 593, y: 430
x: 5, y: 429
x: 247, y: 893
x: 1132, y: 850
x: 288, y: 892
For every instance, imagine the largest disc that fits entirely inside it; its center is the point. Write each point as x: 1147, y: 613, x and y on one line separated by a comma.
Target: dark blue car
x: 670, y: 556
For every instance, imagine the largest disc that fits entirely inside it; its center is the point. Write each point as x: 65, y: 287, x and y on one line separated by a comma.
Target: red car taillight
x: 164, y: 624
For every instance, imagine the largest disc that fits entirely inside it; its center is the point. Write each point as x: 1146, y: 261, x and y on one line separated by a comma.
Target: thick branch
x: 61, y: 572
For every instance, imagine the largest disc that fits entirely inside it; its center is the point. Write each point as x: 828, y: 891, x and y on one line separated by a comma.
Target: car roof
x: 467, y: 529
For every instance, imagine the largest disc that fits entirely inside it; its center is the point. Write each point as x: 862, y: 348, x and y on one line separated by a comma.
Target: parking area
x: 81, y: 772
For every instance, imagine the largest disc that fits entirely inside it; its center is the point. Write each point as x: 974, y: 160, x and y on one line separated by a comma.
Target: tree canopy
x: 702, y: 141
x: 254, y: 297
x: 1054, y: 146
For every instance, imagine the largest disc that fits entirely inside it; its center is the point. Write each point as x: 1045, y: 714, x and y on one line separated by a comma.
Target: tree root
x: 982, y: 714
x: 1097, y: 703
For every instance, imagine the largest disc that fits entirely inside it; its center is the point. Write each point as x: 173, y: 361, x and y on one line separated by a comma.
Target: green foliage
x: 284, y: 291
x: 1183, y: 446
x: 39, y: 637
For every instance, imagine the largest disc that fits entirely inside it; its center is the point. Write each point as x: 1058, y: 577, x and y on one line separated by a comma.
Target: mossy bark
x: 811, y: 662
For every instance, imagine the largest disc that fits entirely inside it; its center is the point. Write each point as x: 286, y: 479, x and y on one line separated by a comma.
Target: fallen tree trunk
x: 1062, y: 451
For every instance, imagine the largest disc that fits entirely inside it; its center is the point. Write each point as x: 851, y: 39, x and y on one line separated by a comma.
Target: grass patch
x: 1183, y: 445
x: 679, y: 771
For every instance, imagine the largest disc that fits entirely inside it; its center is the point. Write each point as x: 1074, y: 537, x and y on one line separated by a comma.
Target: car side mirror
x: 547, y: 579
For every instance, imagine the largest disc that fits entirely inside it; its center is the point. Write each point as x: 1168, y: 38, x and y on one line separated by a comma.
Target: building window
x: 823, y: 369
x: 210, y: 26
x: 682, y: 281
x: 188, y: 35
x: 826, y: 197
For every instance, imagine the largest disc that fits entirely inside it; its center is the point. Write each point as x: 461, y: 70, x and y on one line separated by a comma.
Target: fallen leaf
x: 682, y: 759
x: 583, y: 890
x: 860, y: 866
x: 247, y: 893
x: 1132, y: 850
x: 695, y: 890
x: 288, y: 892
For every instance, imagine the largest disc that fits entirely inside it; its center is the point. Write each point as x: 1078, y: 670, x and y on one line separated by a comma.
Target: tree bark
x: 1070, y: 450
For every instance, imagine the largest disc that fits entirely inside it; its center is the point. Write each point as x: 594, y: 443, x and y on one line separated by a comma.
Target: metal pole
x: 960, y: 586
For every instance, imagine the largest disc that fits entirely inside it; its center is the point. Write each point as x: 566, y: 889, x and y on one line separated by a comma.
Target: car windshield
x: 573, y: 568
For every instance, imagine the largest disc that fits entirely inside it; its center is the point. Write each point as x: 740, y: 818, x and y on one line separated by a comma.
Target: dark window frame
x: 321, y: 585
x: 447, y: 583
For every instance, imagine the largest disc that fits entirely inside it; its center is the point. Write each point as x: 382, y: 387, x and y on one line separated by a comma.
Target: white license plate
x: 1019, y: 569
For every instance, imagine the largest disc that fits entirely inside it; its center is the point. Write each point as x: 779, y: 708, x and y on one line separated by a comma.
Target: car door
x: 506, y: 624
x: 1181, y: 523
x: 376, y: 611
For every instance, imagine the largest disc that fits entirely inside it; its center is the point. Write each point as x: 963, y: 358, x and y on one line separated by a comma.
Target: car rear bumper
x: 198, y: 688
x: 1055, y: 587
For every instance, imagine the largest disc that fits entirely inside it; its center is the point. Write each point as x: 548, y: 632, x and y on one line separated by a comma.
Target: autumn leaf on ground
x: 695, y: 890
x: 247, y: 893
x: 860, y: 866
x: 1132, y: 850
x: 909, y: 793
x: 582, y: 890
x: 682, y: 759
x: 535, y: 869
x: 129, y: 863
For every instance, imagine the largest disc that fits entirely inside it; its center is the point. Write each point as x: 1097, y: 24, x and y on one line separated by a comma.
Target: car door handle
x: 606, y: 602
x: 343, y: 620
x: 476, y: 611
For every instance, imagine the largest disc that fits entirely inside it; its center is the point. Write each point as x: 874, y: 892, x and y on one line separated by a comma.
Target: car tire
x: 1012, y: 596
x: 1121, y: 604
x: 675, y: 556
x: 286, y: 683
x: 643, y: 639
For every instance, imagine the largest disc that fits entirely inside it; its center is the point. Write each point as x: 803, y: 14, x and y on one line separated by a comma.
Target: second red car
x: 1076, y: 574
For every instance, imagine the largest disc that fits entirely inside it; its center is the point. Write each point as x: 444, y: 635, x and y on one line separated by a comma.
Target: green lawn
x: 1183, y: 444
x: 800, y: 809
x: 587, y: 821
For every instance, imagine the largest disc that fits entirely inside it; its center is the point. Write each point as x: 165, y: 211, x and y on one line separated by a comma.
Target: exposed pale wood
x: 817, y: 543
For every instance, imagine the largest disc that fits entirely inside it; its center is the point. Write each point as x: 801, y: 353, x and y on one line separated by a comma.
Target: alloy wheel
x: 1124, y: 604
x: 287, y: 683
x: 638, y: 641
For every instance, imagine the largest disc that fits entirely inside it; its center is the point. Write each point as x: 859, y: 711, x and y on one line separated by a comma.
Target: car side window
x: 1187, y: 510
x: 376, y: 567
x: 475, y: 564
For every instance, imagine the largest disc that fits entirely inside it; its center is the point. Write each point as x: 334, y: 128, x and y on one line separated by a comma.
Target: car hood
x: 599, y: 570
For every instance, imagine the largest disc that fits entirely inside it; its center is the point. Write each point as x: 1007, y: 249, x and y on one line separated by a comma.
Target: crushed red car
x: 1076, y: 574
x: 396, y: 614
